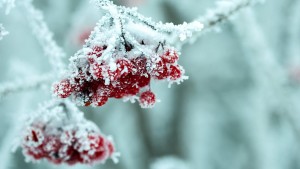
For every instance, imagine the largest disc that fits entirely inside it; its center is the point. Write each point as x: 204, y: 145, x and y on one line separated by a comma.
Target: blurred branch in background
x: 270, y: 82
x: 25, y: 84
x: 41, y: 31
x: 8, y: 5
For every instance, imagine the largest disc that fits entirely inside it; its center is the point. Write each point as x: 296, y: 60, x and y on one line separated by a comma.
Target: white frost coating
x: 184, y: 32
x: 131, y: 99
x: 24, y: 84
x: 120, y: 13
x: 145, y: 33
x: 8, y: 4
x: 44, y: 36
x: 3, y: 32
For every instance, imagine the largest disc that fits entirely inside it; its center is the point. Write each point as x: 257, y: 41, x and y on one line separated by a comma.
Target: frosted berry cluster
x: 120, y: 66
x: 59, y: 138
x: 120, y: 77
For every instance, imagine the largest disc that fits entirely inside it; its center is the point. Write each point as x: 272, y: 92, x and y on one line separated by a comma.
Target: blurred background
x: 240, y: 109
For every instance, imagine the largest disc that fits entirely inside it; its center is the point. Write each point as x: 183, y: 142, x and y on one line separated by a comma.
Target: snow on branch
x: 45, y: 36
x: 181, y: 31
x: 9, y: 4
x: 174, y: 34
x: 3, y: 32
x: 24, y: 84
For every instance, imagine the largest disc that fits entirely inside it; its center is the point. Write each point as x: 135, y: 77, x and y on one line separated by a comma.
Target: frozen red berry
x: 96, y: 53
x: 175, y: 72
x: 99, y: 100
x: 124, y: 67
x: 159, y: 70
x: 64, y: 138
x: 170, y: 56
x: 63, y: 89
x: 120, y: 74
x: 98, y: 70
x: 147, y: 99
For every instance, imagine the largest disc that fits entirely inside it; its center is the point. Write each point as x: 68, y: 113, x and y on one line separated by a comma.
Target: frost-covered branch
x: 24, y: 84
x: 177, y: 34
x: 181, y: 31
x: 8, y: 4
x: 223, y: 12
x: 3, y: 32
x: 44, y: 36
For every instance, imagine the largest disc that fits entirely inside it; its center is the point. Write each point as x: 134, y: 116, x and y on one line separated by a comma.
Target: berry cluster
x: 61, y: 140
x: 95, y: 79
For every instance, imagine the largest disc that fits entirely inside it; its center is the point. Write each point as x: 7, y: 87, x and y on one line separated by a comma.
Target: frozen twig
x: 8, y: 4
x: 45, y: 36
x: 24, y: 84
x: 3, y: 32
x: 223, y: 12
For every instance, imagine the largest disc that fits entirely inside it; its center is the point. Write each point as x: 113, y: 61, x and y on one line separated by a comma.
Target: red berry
x: 139, y: 65
x: 144, y: 80
x: 97, y: 50
x: 63, y: 89
x: 159, y: 70
x: 97, y: 148
x: 98, y: 70
x: 175, y: 72
x: 147, y: 99
x: 99, y: 100
x: 170, y: 56
x: 124, y: 66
